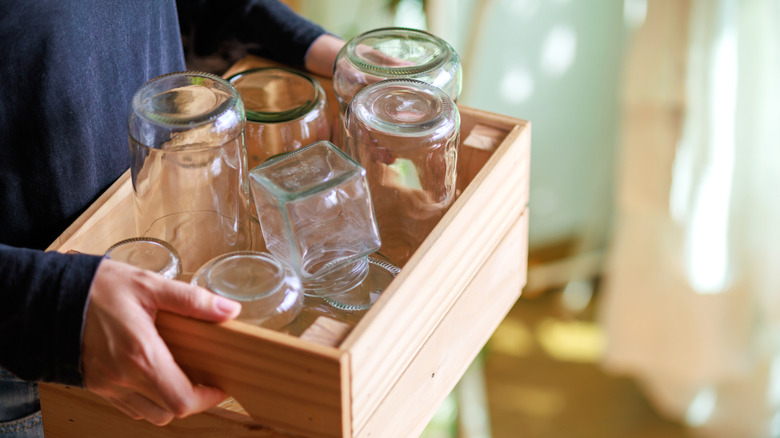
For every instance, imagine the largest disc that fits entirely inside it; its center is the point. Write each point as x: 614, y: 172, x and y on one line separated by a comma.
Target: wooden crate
x: 388, y: 376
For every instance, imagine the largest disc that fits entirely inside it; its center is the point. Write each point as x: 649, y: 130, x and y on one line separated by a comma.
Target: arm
x: 269, y: 27
x: 44, y: 296
x: 321, y: 56
x: 52, y: 301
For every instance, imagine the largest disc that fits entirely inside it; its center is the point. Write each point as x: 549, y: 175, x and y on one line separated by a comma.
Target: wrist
x: 321, y: 56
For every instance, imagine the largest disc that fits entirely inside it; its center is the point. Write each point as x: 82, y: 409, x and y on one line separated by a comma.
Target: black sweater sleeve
x: 273, y: 29
x: 44, y: 295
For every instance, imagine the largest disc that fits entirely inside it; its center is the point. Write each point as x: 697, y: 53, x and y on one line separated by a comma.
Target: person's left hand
x: 321, y: 56
x: 123, y: 357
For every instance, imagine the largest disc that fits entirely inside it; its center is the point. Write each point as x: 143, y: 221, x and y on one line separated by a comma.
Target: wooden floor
x: 542, y: 378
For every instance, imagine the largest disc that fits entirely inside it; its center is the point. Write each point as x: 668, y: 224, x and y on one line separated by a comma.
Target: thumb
x: 193, y: 301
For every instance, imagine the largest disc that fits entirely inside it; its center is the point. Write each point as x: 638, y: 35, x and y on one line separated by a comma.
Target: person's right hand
x: 123, y: 357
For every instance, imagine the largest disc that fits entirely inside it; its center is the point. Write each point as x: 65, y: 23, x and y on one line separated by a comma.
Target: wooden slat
x: 282, y: 381
x: 442, y: 361
x: 326, y: 331
x: 72, y: 412
x: 390, y: 335
x: 108, y: 220
x: 476, y: 148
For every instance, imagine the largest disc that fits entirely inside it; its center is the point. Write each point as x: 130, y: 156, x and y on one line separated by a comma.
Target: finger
x: 119, y: 404
x: 190, y: 300
x: 147, y: 409
x: 171, y: 389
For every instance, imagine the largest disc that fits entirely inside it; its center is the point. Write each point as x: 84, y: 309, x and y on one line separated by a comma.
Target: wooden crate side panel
x: 470, y: 117
x: 281, y: 381
x: 465, y: 329
x: 72, y: 412
x: 110, y: 219
x: 384, y: 345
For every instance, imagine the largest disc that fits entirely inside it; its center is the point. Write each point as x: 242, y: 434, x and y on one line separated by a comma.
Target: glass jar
x: 269, y: 292
x: 316, y: 215
x: 405, y: 134
x: 147, y: 253
x: 189, y: 169
x: 380, y: 273
x: 393, y: 53
x: 285, y: 110
x: 350, y: 307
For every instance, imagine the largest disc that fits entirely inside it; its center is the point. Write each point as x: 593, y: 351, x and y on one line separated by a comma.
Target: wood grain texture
x: 383, y: 345
x: 326, y: 331
x: 441, y: 362
x: 282, y: 381
x: 73, y: 412
x: 475, y: 150
x: 108, y: 220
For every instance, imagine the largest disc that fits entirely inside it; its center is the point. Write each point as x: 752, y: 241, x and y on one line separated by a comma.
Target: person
x: 70, y: 68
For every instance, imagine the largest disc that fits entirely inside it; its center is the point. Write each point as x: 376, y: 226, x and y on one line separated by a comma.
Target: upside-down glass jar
x: 316, y: 215
x: 405, y: 134
x: 189, y: 169
x: 147, y: 253
x: 285, y: 110
x: 347, y: 308
x: 393, y: 53
x: 269, y: 291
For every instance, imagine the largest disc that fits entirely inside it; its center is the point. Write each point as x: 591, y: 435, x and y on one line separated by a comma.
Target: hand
x: 123, y: 357
x: 321, y: 56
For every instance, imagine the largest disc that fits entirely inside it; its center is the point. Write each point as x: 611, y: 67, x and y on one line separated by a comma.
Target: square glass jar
x: 316, y: 215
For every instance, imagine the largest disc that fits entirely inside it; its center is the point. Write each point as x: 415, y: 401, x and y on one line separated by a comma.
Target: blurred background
x: 651, y: 308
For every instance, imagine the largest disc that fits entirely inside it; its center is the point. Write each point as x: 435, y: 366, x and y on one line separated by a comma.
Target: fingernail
x: 226, y: 306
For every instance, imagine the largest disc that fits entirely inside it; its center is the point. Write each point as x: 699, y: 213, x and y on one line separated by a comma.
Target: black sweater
x: 69, y: 69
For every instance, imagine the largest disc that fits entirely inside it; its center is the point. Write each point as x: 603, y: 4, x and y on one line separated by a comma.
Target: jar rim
x: 448, y: 112
x: 281, y: 116
x: 172, y: 266
x: 360, y: 63
x: 142, y: 95
x: 280, y: 273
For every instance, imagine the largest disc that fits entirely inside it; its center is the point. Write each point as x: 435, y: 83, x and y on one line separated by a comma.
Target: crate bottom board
x: 70, y: 412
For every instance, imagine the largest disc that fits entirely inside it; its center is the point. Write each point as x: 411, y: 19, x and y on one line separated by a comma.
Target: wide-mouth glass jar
x: 349, y: 307
x: 285, y: 110
x: 394, y: 53
x: 147, y: 253
x: 316, y: 215
x: 189, y: 169
x: 405, y: 134
x: 269, y: 292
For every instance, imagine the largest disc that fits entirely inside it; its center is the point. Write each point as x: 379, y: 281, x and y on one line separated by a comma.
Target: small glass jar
x: 316, y: 215
x: 393, y: 53
x: 189, y: 169
x: 380, y: 273
x: 285, y: 110
x: 147, y: 253
x: 269, y: 292
x: 349, y: 307
x: 405, y: 134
